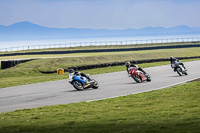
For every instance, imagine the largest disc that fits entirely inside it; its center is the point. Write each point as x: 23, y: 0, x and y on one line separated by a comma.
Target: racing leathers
x: 139, y: 68
x: 172, y: 60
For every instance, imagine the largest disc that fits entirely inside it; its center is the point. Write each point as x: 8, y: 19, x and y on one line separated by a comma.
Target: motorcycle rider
x: 129, y: 65
x: 172, y: 60
x: 72, y: 73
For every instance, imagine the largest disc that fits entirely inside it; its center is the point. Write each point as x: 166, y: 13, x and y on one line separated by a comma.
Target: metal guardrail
x: 126, y: 42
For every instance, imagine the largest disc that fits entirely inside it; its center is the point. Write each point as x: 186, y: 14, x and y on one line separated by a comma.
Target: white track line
x: 145, y: 91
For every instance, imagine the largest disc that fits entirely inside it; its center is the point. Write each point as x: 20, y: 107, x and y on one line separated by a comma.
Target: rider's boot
x: 184, y: 68
x: 87, y: 84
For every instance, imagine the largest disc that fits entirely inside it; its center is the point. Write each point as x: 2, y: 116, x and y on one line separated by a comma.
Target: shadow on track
x: 87, y: 89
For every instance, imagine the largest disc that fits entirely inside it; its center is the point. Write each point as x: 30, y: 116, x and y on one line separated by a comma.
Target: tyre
x: 137, y: 78
x: 95, y: 84
x: 186, y: 73
x: 148, y: 78
x: 179, y: 71
x: 77, y: 85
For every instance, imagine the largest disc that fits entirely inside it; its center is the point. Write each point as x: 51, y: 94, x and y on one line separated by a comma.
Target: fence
x: 126, y: 42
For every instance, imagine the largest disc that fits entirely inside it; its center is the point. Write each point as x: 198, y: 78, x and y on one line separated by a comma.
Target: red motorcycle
x: 138, y: 75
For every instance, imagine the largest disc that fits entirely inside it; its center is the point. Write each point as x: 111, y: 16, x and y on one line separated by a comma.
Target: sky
x: 101, y: 14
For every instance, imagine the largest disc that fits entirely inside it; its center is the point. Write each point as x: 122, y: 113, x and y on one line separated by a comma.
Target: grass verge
x: 171, y: 110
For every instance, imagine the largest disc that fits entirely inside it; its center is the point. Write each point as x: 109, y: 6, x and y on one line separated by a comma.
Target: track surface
x: 111, y: 85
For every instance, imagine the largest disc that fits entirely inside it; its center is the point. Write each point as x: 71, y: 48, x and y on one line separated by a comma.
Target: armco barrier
x: 86, y: 67
x: 103, y: 50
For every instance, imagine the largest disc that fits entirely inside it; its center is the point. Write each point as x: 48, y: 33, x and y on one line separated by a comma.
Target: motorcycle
x: 80, y: 83
x: 138, y: 75
x: 179, y: 68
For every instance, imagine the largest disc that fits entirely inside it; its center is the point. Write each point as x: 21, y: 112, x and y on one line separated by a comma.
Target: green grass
x: 171, y: 110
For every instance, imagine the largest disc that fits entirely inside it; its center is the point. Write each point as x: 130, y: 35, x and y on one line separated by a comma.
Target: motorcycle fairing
x: 83, y: 80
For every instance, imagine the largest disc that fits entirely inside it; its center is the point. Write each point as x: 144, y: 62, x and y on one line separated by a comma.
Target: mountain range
x: 26, y: 30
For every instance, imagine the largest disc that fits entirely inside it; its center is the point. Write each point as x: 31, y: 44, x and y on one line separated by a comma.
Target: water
x: 72, y: 42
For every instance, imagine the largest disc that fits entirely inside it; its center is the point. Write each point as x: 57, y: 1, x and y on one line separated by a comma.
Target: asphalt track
x: 111, y: 85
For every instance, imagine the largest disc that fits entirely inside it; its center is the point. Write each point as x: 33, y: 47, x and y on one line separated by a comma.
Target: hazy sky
x: 98, y: 14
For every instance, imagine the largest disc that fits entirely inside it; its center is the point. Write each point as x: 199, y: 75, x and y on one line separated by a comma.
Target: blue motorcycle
x: 80, y: 82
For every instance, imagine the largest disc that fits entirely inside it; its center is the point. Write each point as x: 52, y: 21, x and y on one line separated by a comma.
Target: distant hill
x: 26, y: 30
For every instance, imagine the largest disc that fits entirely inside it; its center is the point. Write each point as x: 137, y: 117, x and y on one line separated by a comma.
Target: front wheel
x: 186, y: 73
x: 148, y: 77
x: 95, y: 84
x: 137, y: 78
x: 179, y: 71
x: 77, y: 85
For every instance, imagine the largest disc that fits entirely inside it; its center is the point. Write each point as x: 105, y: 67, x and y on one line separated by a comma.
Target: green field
x: 171, y: 110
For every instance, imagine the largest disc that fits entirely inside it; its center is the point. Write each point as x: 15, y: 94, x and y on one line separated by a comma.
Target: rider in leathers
x: 72, y: 73
x: 172, y: 60
x: 128, y: 65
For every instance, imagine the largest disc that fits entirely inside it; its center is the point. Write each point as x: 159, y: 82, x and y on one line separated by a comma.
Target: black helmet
x: 71, y: 70
x: 128, y: 64
x: 171, y: 57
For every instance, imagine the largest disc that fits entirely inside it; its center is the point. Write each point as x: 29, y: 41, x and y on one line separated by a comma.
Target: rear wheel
x: 179, y: 71
x: 137, y: 78
x: 77, y: 85
x: 95, y: 84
